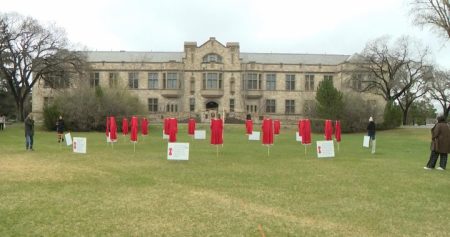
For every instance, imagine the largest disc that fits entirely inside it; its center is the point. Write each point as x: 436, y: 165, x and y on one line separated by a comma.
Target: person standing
x: 2, y: 121
x: 371, y: 133
x: 29, y: 132
x: 60, y: 129
x: 440, y: 144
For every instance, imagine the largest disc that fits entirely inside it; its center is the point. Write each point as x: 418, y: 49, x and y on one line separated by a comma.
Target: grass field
x: 116, y: 192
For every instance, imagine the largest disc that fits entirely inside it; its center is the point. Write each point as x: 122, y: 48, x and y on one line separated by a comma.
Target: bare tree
x: 435, y: 13
x: 440, y: 89
x: 391, y: 69
x: 419, y: 87
x: 29, y: 52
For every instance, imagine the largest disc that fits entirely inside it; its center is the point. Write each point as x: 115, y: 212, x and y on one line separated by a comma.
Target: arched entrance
x: 212, y: 108
x: 211, y: 105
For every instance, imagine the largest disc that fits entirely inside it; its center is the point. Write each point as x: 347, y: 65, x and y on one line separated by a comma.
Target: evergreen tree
x: 330, y: 101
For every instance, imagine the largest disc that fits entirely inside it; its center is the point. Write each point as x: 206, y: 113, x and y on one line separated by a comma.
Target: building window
x: 212, y: 58
x: 153, y: 80
x: 172, y: 108
x: 231, y: 105
x: 172, y: 80
x: 153, y: 104
x: 192, y: 85
x: 133, y: 80
x: 290, y: 82
x: 113, y: 79
x: 253, y: 82
x: 270, y: 106
x: 309, y: 82
x: 357, y: 82
x: 290, y: 107
x: 328, y: 77
x: 94, y: 79
x: 48, y: 101
x: 212, y: 80
x: 252, y: 108
x: 192, y: 104
x: 56, y: 80
x: 271, y: 82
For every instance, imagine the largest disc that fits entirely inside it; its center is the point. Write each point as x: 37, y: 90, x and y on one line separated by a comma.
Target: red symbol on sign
x: 318, y: 150
x: 75, y: 145
x: 170, y: 151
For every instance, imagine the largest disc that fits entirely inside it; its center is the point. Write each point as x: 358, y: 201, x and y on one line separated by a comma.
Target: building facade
x: 216, y: 78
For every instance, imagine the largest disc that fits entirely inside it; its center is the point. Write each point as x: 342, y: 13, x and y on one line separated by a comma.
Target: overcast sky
x: 278, y: 26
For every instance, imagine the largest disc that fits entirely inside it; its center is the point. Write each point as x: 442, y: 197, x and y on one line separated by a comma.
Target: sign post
x: 177, y: 151
x: 325, y: 149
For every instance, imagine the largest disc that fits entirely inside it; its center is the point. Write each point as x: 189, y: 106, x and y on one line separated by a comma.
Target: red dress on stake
x: 173, y: 129
x: 267, y: 129
x: 328, y: 130
x: 249, y: 126
x: 124, y: 126
x: 191, y: 126
x: 276, y: 126
x: 216, y: 131
x: 300, y: 126
x: 166, y: 126
x: 144, y: 126
x: 134, y: 129
x: 337, y: 131
x: 306, y: 132
x: 112, y: 129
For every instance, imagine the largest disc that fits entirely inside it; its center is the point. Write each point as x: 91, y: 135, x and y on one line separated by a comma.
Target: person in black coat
x: 60, y: 128
x: 29, y: 132
x: 371, y: 133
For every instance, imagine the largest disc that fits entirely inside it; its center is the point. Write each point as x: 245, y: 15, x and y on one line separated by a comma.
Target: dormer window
x: 212, y: 58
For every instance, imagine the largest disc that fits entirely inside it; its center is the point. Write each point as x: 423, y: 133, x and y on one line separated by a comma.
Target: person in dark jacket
x: 60, y: 128
x: 371, y: 133
x: 29, y: 132
x: 440, y: 144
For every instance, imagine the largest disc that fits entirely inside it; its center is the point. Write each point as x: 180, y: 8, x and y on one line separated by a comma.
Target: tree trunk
x: 405, y: 117
x: 20, y: 107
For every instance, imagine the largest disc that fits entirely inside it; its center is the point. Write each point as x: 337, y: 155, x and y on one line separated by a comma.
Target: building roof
x: 275, y: 58
x: 127, y: 56
x: 269, y: 58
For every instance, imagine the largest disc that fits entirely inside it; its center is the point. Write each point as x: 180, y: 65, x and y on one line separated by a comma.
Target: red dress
x: 112, y: 129
x: 191, y: 126
x: 216, y: 131
x: 276, y: 126
x: 166, y: 126
x: 144, y: 126
x: 267, y: 129
x: 134, y: 129
x: 124, y: 126
x: 249, y: 126
x: 328, y: 130
x: 173, y: 129
x: 306, y: 132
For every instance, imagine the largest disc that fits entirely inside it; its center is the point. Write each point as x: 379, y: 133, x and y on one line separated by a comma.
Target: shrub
x: 51, y: 114
x: 86, y: 109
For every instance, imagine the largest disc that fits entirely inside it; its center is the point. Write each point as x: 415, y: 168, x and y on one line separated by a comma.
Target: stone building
x: 217, y: 78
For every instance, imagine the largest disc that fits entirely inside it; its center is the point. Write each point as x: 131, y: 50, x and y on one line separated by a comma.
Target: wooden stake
x: 134, y: 147
x: 217, y: 151
x: 305, y: 150
x: 268, y: 150
x: 261, y: 231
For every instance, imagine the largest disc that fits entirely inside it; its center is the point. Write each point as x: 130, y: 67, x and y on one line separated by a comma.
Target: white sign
x: 325, y: 149
x: 255, y: 136
x: 366, y: 141
x: 79, y: 145
x: 68, y: 138
x: 298, y: 137
x: 165, y: 136
x: 177, y: 151
x: 200, y: 134
x: 108, y: 139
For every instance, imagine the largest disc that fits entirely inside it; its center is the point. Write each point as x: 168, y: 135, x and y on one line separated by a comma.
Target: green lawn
x: 115, y: 192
